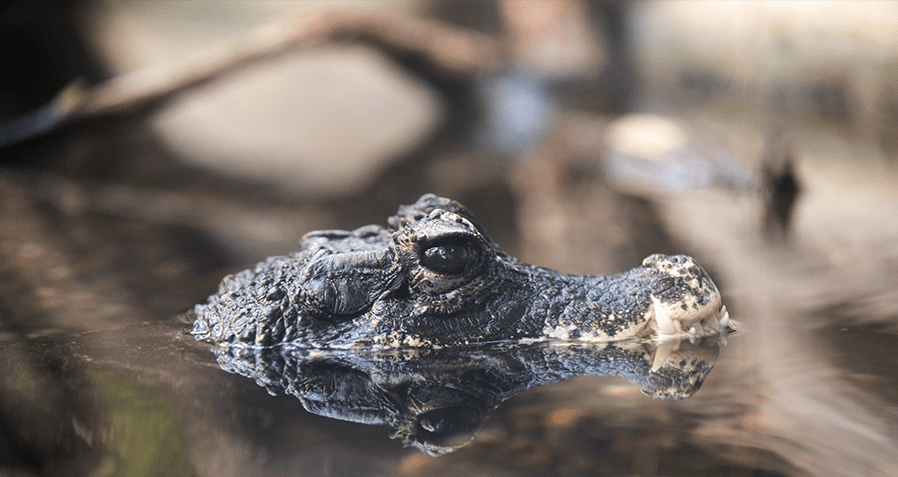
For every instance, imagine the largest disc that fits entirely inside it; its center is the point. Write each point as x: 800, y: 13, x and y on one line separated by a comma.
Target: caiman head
x: 434, y: 278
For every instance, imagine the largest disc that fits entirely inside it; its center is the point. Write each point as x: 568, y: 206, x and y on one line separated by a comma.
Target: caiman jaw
x: 689, y: 308
x: 667, y: 321
x: 669, y: 324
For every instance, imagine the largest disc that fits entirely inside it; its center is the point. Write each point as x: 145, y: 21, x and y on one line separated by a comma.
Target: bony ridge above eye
x: 447, y: 258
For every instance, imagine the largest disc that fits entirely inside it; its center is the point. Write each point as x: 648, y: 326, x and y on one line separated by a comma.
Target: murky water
x: 148, y: 399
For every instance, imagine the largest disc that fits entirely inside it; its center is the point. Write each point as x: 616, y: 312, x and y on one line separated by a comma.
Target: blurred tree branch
x: 424, y: 46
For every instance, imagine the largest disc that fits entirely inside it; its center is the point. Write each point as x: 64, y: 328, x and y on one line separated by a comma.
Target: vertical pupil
x: 448, y: 259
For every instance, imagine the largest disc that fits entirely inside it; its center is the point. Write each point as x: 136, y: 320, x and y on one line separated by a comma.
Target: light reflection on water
x: 149, y: 399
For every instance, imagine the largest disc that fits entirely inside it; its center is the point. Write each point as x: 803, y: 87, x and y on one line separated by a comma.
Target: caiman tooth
x: 662, y: 319
x: 662, y: 352
x: 711, y: 322
x: 725, y: 319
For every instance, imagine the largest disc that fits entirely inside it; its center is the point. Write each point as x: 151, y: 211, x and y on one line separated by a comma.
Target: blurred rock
x: 652, y: 156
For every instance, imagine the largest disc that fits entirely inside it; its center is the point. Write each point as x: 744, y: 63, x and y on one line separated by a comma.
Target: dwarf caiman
x: 434, y: 278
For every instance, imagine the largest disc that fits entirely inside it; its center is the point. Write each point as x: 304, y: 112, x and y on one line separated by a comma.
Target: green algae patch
x: 142, y: 434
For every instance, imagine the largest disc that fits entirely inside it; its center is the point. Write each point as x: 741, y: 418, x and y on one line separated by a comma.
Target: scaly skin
x: 434, y: 278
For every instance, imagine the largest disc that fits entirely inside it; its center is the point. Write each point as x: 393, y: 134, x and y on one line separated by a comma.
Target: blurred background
x: 149, y: 148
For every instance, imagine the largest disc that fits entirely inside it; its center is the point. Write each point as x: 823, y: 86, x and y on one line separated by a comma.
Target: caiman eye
x: 446, y: 259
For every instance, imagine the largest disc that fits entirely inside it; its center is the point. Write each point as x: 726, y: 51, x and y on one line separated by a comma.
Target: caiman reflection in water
x: 436, y: 400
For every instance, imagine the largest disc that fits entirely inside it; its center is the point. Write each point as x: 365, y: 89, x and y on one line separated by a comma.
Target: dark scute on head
x: 427, y: 203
